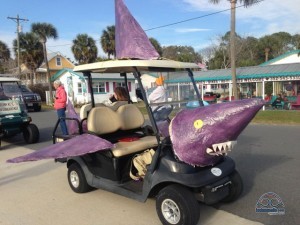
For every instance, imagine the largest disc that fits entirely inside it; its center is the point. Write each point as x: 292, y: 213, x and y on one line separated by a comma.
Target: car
x: 13, y: 113
x: 32, y: 100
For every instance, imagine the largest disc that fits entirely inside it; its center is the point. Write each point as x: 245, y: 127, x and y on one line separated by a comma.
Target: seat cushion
x: 125, y: 148
x: 103, y: 120
x: 131, y: 117
x: 86, y: 108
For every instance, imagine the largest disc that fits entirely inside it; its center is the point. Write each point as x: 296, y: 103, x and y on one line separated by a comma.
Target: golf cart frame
x: 176, y: 185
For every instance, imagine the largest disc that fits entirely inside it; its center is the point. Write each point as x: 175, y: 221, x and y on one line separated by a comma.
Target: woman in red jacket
x: 60, y: 105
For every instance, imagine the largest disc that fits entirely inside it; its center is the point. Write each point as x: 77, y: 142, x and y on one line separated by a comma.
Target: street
x: 267, y: 157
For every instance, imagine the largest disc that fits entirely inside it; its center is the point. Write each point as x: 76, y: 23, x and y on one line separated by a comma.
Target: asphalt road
x: 267, y: 157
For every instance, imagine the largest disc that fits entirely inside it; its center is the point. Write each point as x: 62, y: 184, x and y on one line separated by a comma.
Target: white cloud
x: 266, y: 17
x: 190, y: 30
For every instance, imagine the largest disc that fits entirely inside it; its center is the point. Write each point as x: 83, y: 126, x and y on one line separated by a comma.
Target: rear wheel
x: 177, y: 205
x: 77, y: 180
x: 37, y: 108
x: 31, y: 133
x: 235, y: 188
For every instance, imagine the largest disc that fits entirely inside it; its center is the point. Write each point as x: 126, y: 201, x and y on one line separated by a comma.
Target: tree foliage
x: 4, y: 56
x: 31, y: 51
x: 156, y: 45
x: 84, y: 49
x: 45, y: 31
x: 181, y: 53
x: 107, y: 41
x: 250, y: 51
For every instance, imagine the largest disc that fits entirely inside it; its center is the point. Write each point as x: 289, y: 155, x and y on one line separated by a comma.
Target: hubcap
x: 74, y: 179
x: 170, y: 211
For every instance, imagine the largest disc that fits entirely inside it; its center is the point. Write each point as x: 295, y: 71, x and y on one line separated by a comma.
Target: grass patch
x: 278, y: 117
x: 46, y: 107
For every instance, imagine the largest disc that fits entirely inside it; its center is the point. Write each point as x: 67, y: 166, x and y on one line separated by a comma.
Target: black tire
x: 77, y: 180
x: 235, y: 188
x: 37, y: 108
x: 176, y: 205
x: 31, y: 134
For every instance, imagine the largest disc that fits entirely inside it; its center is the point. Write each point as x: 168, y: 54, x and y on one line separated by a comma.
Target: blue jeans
x: 61, y: 113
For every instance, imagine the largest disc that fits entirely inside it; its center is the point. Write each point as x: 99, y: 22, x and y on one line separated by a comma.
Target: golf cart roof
x: 128, y: 66
x: 7, y: 78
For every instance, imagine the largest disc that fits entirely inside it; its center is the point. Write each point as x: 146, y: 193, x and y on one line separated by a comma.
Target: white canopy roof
x: 127, y: 66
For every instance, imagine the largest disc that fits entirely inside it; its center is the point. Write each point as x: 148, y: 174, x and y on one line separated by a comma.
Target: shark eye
x: 198, y: 124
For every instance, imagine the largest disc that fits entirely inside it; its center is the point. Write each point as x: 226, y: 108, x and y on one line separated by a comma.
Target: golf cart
x: 13, y: 113
x: 176, y: 185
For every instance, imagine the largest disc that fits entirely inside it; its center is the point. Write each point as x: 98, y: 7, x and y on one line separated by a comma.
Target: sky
x: 91, y: 17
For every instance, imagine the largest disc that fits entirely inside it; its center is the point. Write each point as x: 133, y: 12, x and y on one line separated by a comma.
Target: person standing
x: 289, y: 89
x: 60, y: 103
x: 159, y: 94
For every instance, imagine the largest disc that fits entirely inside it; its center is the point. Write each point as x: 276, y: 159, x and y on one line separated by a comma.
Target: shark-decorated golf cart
x: 188, y: 163
x: 188, y: 166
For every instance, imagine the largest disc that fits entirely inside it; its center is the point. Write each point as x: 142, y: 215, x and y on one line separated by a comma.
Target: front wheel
x: 235, y: 188
x: 31, y: 134
x: 176, y: 205
x: 77, y: 180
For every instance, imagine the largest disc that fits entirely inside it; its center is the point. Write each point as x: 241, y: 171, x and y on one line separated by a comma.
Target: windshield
x: 25, y: 89
x: 10, y: 89
x: 10, y: 93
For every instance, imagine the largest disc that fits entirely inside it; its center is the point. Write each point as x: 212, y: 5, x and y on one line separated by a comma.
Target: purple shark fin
x: 72, y: 147
x: 131, y: 40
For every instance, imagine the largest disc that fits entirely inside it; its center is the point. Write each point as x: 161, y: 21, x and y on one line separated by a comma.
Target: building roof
x: 281, y: 57
x: 53, y: 55
x: 279, y: 71
x: 62, y: 71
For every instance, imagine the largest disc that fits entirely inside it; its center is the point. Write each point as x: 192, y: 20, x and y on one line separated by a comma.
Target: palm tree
x: 31, y: 52
x: 4, y: 55
x: 107, y: 41
x: 232, y: 39
x: 44, y: 31
x: 84, y: 49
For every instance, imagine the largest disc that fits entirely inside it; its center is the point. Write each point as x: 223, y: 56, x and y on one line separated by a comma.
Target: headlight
x: 38, y: 98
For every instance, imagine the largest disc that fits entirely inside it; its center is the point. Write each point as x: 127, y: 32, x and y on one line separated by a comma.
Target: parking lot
x: 267, y: 157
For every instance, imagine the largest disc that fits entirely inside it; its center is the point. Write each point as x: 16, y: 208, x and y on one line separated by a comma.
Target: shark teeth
x: 221, y: 148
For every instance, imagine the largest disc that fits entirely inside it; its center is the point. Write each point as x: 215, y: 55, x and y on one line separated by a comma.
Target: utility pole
x: 17, y: 20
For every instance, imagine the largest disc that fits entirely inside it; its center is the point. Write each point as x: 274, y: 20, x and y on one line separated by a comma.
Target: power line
x: 199, y: 17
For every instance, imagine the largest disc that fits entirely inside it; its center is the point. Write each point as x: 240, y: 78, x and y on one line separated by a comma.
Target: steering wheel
x: 162, y: 112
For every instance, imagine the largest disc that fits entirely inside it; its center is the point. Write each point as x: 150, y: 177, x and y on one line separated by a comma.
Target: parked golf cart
x: 176, y: 185
x: 13, y: 114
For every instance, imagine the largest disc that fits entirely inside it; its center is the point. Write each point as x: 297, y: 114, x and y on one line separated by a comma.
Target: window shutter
x: 129, y: 86
x: 114, y: 85
x: 107, y: 87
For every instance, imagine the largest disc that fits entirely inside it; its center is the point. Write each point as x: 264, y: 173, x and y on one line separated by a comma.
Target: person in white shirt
x: 159, y: 94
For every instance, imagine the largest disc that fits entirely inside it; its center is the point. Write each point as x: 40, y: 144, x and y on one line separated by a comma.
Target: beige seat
x: 86, y: 108
x: 125, y: 148
x: 103, y: 120
x: 131, y: 117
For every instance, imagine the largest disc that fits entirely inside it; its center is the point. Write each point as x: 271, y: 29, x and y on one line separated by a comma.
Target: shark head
x: 201, y: 136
